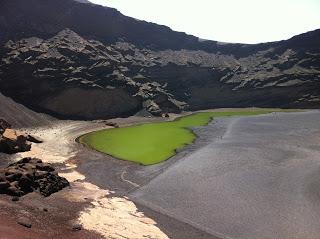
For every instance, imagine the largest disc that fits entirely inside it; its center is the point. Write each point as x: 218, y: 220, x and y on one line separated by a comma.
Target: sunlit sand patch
x: 112, y: 217
x: 70, y: 173
x: 42, y: 153
x: 55, y: 147
x: 119, y: 218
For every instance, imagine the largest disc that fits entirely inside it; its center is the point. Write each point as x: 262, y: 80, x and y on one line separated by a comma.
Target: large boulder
x: 28, y: 175
x: 12, y: 141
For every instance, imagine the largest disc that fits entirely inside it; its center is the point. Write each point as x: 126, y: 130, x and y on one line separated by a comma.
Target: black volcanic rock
x: 79, y: 78
x: 28, y: 175
x: 85, y: 61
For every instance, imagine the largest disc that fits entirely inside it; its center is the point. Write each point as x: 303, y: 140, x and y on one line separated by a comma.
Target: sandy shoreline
x: 105, y: 211
x: 101, y: 187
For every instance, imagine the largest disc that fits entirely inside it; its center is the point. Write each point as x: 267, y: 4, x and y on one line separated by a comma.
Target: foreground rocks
x: 12, y: 141
x: 28, y: 175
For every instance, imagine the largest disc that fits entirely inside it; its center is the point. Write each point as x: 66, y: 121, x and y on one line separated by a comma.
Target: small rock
x: 14, y: 176
x: 40, y: 174
x: 13, y: 191
x: 76, y: 227
x: 34, y: 139
x: 25, y: 184
x: 15, y: 199
x: 24, y: 222
x: 35, y: 160
x: 45, y: 167
x: 24, y: 160
x: 4, y: 185
x: 112, y: 124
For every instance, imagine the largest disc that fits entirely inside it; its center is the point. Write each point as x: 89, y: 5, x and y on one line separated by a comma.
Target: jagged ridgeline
x: 79, y: 60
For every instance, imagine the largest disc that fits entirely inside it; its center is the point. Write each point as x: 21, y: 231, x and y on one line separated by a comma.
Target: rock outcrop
x: 28, y: 175
x: 12, y: 141
x: 114, y: 65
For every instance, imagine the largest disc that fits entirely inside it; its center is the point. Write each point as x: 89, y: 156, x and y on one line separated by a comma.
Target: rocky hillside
x: 78, y: 60
x: 21, y: 117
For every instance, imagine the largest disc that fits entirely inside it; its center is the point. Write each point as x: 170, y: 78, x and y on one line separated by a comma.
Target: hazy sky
x: 245, y: 21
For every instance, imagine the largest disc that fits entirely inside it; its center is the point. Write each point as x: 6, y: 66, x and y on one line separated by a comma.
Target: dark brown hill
x: 77, y: 60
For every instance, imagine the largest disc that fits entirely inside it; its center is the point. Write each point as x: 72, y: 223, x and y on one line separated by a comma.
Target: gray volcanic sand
x: 261, y: 179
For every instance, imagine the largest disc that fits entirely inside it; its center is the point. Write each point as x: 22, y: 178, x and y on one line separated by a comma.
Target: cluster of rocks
x: 28, y: 175
x: 13, y: 141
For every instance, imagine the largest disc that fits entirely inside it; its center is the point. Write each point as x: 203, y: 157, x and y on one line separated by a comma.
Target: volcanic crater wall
x: 55, y: 60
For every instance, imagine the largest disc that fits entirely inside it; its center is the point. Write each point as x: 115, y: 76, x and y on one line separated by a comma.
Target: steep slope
x: 19, y: 116
x: 76, y: 60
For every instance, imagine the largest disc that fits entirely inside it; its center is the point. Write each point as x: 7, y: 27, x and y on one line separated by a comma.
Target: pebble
x: 15, y: 199
x: 24, y: 222
x: 76, y: 227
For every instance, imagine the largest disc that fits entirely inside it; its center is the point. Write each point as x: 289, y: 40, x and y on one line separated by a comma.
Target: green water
x: 153, y: 143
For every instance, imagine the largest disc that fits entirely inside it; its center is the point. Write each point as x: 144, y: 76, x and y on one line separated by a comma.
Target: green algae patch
x: 152, y: 143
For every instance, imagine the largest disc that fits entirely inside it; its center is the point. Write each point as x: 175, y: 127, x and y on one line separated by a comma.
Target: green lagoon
x: 152, y: 143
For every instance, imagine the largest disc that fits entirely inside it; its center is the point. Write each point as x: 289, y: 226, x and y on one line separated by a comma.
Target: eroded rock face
x: 91, y: 80
x: 28, y: 175
x: 117, y: 66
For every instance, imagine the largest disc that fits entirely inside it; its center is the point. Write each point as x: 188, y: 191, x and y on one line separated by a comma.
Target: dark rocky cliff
x: 77, y: 60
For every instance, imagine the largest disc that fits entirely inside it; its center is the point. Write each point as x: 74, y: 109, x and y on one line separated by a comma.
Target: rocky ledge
x: 28, y: 175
